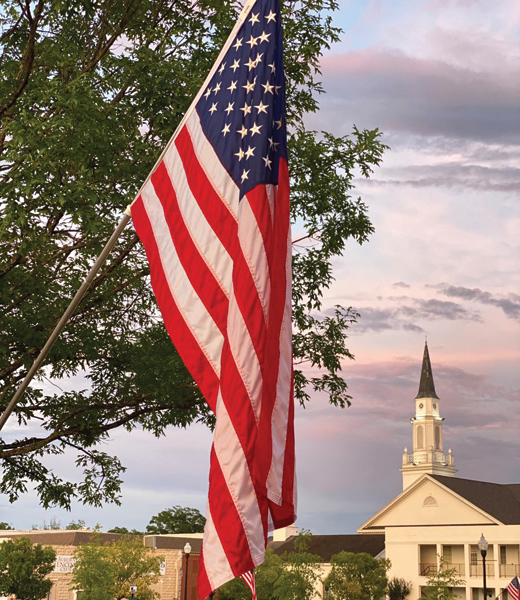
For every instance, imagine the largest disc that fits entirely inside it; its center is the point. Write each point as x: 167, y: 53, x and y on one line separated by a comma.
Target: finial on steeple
x: 426, y: 385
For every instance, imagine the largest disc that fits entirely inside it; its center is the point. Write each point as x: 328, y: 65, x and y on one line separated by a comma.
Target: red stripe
x: 278, y: 272
x: 227, y: 521
x: 248, y: 301
x: 201, y: 277
x: 215, y: 211
x: 203, y: 584
x: 187, y: 347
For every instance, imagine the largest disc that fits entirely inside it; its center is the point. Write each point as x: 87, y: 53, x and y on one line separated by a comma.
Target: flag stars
x: 245, y: 175
x: 271, y: 17
x: 213, y: 108
x: 262, y: 108
x: 233, y: 86
x: 268, y: 162
x: 268, y: 87
x: 238, y: 43
x: 272, y: 143
x: 208, y: 92
x: 278, y: 124
x: 249, y: 87
x: 250, y: 152
x: 251, y: 63
x: 255, y: 129
x: 246, y: 108
x: 243, y: 131
x: 217, y: 88
x: 235, y: 65
x: 272, y: 66
x: 252, y: 41
x: 240, y: 154
x: 254, y: 18
x: 225, y: 131
x: 221, y: 70
x: 229, y: 108
x: 264, y: 37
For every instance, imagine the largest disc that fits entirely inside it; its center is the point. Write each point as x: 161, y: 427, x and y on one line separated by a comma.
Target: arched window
x: 420, y: 437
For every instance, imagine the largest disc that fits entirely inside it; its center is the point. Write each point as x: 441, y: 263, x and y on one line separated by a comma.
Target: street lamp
x: 483, y: 547
x: 187, y: 550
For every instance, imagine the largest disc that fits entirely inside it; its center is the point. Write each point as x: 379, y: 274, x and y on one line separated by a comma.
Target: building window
x: 503, y: 555
x: 447, y: 554
x: 420, y: 437
x: 473, y: 558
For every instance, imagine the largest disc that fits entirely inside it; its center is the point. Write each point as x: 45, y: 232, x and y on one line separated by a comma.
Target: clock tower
x: 428, y: 454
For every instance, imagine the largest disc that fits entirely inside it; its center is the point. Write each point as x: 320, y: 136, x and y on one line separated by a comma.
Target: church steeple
x: 428, y: 455
x: 426, y: 385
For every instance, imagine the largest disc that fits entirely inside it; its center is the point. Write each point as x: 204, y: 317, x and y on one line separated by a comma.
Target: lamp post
x: 483, y: 547
x: 187, y: 550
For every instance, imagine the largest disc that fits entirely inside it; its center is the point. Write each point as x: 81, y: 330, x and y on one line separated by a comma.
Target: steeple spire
x: 426, y: 385
x: 427, y: 454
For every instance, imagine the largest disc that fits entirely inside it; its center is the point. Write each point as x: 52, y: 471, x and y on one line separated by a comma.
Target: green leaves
x: 357, y: 577
x: 24, y: 569
x: 176, y: 520
x: 106, y: 571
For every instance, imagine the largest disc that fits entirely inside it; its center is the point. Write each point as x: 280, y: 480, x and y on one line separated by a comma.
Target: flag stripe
x: 200, y: 322
x: 207, y: 188
x: 190, y: 350
x: 205, y: 287
x: 195, y: 217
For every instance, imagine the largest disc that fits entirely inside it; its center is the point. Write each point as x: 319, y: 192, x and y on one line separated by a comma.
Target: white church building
x: 440, y: 517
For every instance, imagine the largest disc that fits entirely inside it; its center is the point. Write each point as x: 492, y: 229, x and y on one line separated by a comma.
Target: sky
x: 441, y: 80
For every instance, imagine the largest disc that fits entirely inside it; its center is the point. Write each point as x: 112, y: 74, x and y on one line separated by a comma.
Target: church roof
x: 501, y: 501
x: 426, y: 385
x: 328, y: 545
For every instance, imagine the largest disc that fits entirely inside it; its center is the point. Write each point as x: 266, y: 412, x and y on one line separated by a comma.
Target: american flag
x: 514, y: 588
x: 249, y: 578
x: 214, y: 220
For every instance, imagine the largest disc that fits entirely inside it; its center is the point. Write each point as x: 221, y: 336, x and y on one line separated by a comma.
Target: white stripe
x: 215, y: 561
x: 252, y: 246
x: 199, y: 321
x: 245, y: 356
x: 235, y: 470
x: 208, y: 243
x: 224, y: 185
x: 280, y: 419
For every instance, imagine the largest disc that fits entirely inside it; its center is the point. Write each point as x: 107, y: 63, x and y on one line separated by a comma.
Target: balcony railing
x: 459, y: 568
x: 476, y: 570
x: 427, y: 569
x: 508, y: 570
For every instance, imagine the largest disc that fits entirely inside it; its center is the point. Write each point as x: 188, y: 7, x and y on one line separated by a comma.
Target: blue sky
x: 441, y: 79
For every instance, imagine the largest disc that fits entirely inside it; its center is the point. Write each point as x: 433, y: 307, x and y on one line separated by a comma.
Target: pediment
x: 426, y: 503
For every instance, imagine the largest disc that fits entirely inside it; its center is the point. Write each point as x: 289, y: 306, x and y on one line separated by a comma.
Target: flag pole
x: 66, y: 315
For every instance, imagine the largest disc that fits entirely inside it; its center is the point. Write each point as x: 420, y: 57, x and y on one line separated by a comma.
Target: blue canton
x: 242, y: 110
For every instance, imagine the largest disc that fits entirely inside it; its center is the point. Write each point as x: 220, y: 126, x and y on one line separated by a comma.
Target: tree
x: 4, y: 526
x: 439, y: 586
x: 177, y: 520
x: 291, y: 576
x: 75, y: 526
x: 125, y: 531
x: 106, y: 571
x: 399, y: 588
x: 24, y: 569
x: 357, y: 577
x: 89, y: 95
